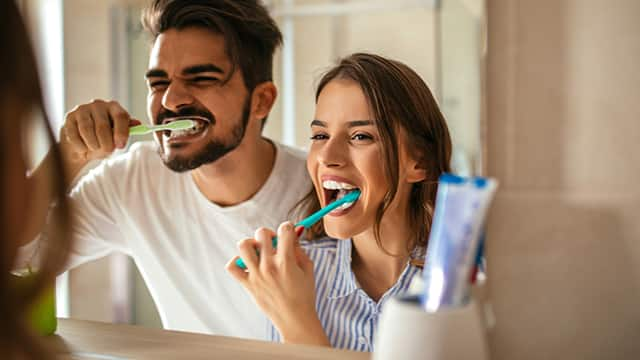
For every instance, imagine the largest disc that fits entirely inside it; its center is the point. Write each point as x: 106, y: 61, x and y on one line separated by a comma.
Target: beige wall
x: 405, y: 35
x: 563, y: 133
x: 87, y: 76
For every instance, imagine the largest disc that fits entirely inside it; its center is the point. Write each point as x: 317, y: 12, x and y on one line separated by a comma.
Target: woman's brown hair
x: 401, y: 103
x: 20, y: 98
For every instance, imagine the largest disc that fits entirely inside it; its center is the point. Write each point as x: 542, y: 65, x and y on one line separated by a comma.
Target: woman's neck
x: 377, y: 270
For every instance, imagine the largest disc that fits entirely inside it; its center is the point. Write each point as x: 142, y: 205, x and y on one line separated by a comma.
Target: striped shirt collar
x: 344, y: 281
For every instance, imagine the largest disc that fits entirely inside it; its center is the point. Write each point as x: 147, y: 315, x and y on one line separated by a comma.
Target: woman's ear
x: 262, y: 99
x: 415, y: 165
x: 415, y: 171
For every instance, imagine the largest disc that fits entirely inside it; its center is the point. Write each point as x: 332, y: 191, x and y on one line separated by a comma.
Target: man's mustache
x: 185, y: 112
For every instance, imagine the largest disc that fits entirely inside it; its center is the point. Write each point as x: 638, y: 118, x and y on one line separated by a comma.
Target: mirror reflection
x: 291, y: 106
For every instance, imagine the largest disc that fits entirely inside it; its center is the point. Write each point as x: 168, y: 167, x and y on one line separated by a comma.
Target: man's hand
x: 93, y: 131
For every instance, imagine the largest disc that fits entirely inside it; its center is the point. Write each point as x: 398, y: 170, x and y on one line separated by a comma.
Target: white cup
x: 407, y: 331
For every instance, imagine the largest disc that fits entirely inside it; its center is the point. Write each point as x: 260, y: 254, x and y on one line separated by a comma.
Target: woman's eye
x: 362, y: 137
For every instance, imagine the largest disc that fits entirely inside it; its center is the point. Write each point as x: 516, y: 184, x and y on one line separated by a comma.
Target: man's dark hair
x: 251, y: 35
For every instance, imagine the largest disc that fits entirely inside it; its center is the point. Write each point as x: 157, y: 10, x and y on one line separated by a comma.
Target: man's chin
x: 181, y: 159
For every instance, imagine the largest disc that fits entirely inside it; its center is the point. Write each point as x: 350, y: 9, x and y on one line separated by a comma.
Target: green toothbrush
x: 174, y: 125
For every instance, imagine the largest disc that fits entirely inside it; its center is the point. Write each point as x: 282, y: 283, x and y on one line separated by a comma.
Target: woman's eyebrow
x: 359, y: 123
x: 350, y: 124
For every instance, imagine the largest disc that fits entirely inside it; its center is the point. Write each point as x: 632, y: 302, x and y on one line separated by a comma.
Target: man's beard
x: 214, y: 149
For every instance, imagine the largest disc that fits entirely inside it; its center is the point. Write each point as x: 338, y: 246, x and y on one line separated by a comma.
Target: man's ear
x: 262, y: 99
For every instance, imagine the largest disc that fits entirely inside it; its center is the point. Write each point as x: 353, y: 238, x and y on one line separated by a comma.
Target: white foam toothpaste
x: 461, y: 208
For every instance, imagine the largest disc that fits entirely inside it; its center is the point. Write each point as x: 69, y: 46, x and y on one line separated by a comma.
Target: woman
x: 377, y: 129
x: 24, y: 202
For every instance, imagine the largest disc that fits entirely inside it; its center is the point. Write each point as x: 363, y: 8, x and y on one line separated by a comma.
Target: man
x: 180, y: 214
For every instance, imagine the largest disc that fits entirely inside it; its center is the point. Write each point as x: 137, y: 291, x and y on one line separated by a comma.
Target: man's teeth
x: 179, y: 133
x: 194, y: 130
x: 335, y: 185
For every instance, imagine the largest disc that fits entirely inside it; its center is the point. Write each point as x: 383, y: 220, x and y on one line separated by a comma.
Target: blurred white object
x: 406, y: 331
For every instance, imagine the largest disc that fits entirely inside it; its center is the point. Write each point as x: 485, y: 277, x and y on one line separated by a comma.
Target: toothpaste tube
x: 461, y: 207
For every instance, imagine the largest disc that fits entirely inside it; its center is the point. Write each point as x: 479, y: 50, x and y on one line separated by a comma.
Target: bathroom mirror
x: 443, y: 40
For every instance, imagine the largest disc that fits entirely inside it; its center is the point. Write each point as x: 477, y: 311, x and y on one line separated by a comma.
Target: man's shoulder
x: 139, y: 153
x: 143, y: 149
x: 141, y: 158
x: 291, y: 155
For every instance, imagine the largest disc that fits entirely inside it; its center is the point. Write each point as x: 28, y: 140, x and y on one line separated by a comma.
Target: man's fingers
x: 121, y: 120
x: 72, y: 136
x: 97, y: 128
x: 87, y: 130
x: 104, y: 132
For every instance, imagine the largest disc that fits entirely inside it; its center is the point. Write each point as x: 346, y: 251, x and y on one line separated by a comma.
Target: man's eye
x: 203, y: 79
x: 319, y: 137
x: 158, y: 84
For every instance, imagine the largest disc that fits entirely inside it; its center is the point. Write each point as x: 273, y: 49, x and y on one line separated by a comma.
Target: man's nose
x: 176, y: 96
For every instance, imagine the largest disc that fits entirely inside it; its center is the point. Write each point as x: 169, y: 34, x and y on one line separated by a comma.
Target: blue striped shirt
x: 348, y: 315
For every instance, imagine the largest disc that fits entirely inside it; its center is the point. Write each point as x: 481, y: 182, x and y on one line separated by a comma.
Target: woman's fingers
x: 264, y: 237
x: 239, y: 274
x: 247, y: 249
x: 287, y: 242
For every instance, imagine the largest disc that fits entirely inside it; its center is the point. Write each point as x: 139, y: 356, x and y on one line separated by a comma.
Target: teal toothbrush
x: 314, y: 218
x: 174, y: 125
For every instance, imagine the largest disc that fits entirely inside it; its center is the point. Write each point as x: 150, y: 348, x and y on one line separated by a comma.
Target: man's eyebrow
x: 318, y: 123
x: 191, y: 70
x: 155, y: 73
x: 200, y: 68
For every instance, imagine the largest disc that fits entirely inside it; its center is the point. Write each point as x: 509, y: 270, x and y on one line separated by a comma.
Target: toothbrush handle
x: 139, y: 130
x: 274, y: 242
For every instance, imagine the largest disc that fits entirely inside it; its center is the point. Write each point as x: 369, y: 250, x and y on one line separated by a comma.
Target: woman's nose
x: 333, y: 153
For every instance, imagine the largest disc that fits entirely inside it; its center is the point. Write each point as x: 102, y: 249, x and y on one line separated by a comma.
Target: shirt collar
x: 344, y: 281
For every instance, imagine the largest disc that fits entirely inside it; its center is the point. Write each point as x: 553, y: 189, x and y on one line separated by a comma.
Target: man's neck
x: 239, y: 175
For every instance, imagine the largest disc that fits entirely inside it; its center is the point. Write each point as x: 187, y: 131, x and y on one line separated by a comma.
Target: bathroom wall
x: 562, y: 133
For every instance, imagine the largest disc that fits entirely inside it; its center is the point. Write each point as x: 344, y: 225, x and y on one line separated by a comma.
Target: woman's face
x: 346, y: 154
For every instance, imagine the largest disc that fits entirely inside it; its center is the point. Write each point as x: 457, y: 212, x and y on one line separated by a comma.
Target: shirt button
x: 362, y: 340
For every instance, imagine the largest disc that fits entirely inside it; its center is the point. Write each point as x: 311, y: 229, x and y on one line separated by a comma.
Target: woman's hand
x: 282, y: 284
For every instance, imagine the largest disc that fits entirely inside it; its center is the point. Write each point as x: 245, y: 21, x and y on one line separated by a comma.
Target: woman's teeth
x: 339, y: 190
x: 344, y: 206
x: 336, y: 185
